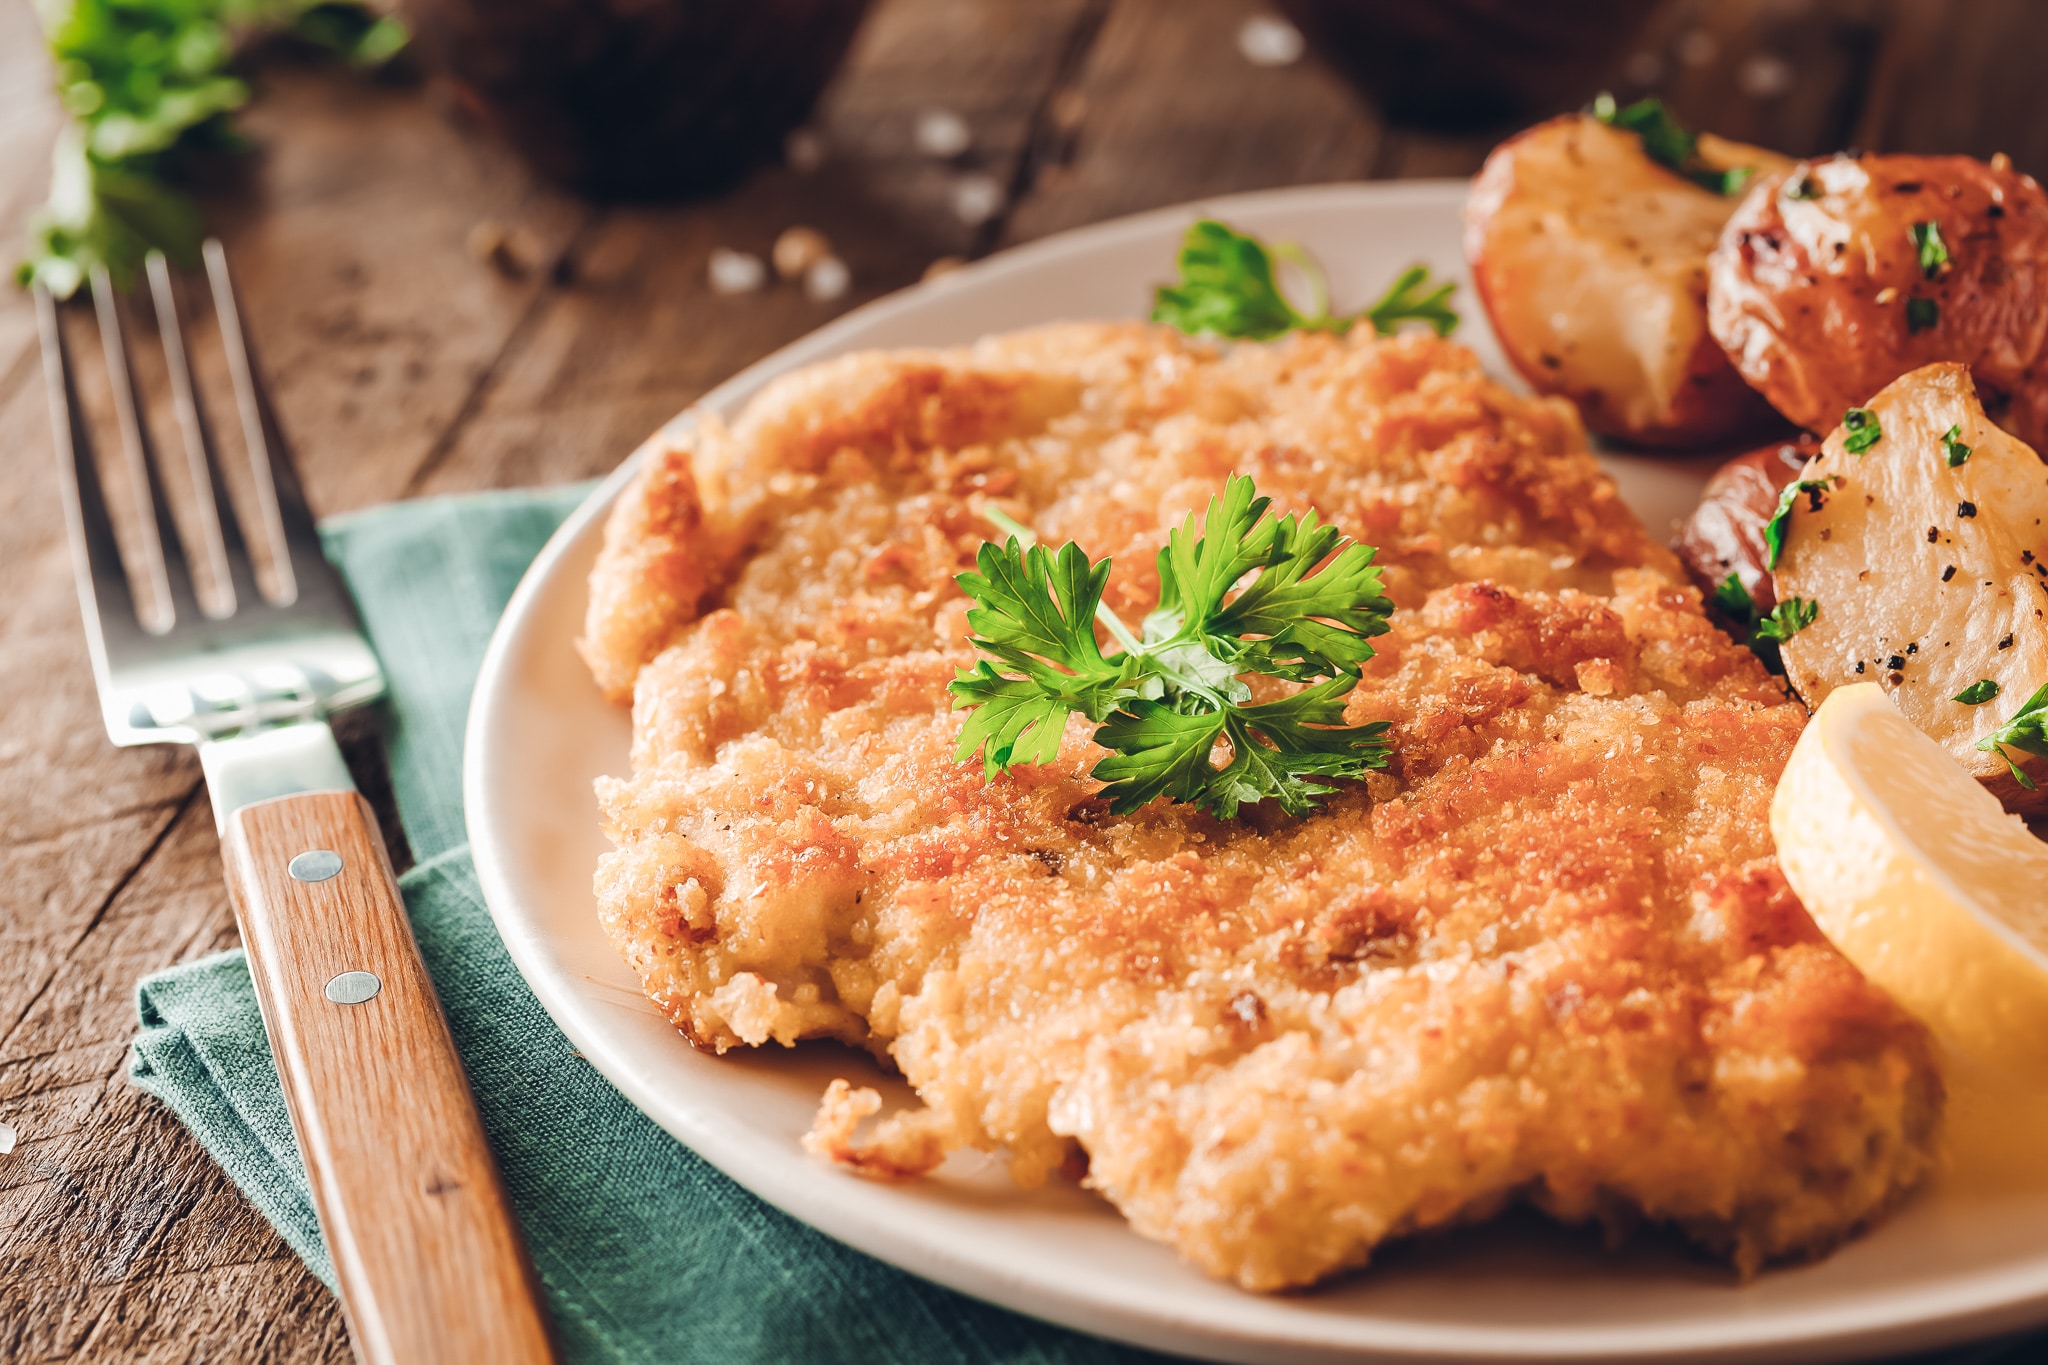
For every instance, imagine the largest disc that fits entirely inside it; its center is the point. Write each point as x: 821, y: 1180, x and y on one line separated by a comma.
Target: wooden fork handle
x: 426, y: 1252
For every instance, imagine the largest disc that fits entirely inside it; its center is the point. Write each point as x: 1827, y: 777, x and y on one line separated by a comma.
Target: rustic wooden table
x: 404, y: 366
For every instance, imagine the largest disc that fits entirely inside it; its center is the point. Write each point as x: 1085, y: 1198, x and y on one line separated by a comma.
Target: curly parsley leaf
x: 1284, y: 751
x: 1249, y: 594
x: 1787, y: 619
x: 2027, y: 731
x: 1011, y: 720
x: 1035, y: 613
x: 1229, y: 287
x: 1762, y: 634
x: 1669, y: 143
x: 1863, y: 430
x: 1404, y: 301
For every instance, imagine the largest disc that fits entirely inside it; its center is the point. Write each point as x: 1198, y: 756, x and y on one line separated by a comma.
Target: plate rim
x: 1987, y: 1303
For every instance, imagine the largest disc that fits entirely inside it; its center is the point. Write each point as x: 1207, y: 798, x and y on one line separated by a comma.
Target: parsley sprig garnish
x: 1734, y: 599
x: 1670, y: 143
x: 1229, y: 288
x: 1764, y: 635
x: 1977, y: 693
x: 1787, y: 619
x: 1242, y: 596
x: 1863, y: 430
x: 2027, y: 731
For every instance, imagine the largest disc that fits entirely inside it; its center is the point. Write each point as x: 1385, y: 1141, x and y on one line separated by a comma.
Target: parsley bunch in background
x: 1228, y: 288
x: 147, y: 82
x: 1167, y: 699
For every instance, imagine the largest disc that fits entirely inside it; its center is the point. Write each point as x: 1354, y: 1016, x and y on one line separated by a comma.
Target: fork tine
x: 281, y: 503
x: 103, y: 587
x: 169, y: 577
x: 227, y: 555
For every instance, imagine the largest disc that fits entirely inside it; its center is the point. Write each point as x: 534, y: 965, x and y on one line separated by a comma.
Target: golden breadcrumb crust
x: 1547, y: 955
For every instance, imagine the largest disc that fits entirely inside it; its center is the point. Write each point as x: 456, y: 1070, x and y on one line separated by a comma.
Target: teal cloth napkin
x: 646, y: 1252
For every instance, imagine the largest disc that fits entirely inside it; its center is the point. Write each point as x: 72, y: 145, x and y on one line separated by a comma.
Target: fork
x: 427, y: 1255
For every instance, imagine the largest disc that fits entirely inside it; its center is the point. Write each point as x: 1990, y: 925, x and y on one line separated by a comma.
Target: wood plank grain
x: 1962, y: 78
x: 426, y: 1251
x: 120, y: 1239
x: 347, y: 236
x: 637, y: 332
x: 1167, y: 109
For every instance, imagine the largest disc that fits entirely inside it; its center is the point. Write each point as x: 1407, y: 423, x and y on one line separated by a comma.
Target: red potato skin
x: 1808, y: 295
x: 1711, y: 405
x: 1725, y: 533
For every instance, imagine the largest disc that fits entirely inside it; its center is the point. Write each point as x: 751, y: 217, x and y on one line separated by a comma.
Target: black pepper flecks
x: 1859, y: 665
x: 1913, y: 649
x: 1896, y: 662
x: 1932, y: 535
x: 1948, y: 573
x: 2006, y: 643
x: 1966, y: 509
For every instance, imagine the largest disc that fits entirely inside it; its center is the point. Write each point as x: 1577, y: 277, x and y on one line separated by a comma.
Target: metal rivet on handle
x: 353, y: 988
x: 314, y: 865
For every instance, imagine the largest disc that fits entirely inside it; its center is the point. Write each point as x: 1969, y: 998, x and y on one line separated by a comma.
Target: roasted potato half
x: 1591, y: 260
x: 1927, y: 558
x: 1835, y: 277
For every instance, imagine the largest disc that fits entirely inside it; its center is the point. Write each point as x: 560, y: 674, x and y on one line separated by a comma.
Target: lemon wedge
x: 1920, y: 877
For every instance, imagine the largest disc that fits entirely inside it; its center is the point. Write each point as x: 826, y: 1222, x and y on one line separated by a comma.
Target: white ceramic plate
x: 1966, y: 1257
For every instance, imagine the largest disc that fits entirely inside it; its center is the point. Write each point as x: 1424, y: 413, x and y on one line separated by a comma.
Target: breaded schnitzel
x: 1546, y: 955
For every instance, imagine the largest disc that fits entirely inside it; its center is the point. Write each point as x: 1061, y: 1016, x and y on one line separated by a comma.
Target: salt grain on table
x: 1268, y: 40
x: 827, y: 280
x: 797, y: 250
x: 976, y: 199
x: 735, y: 272
x: 943, y: 134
